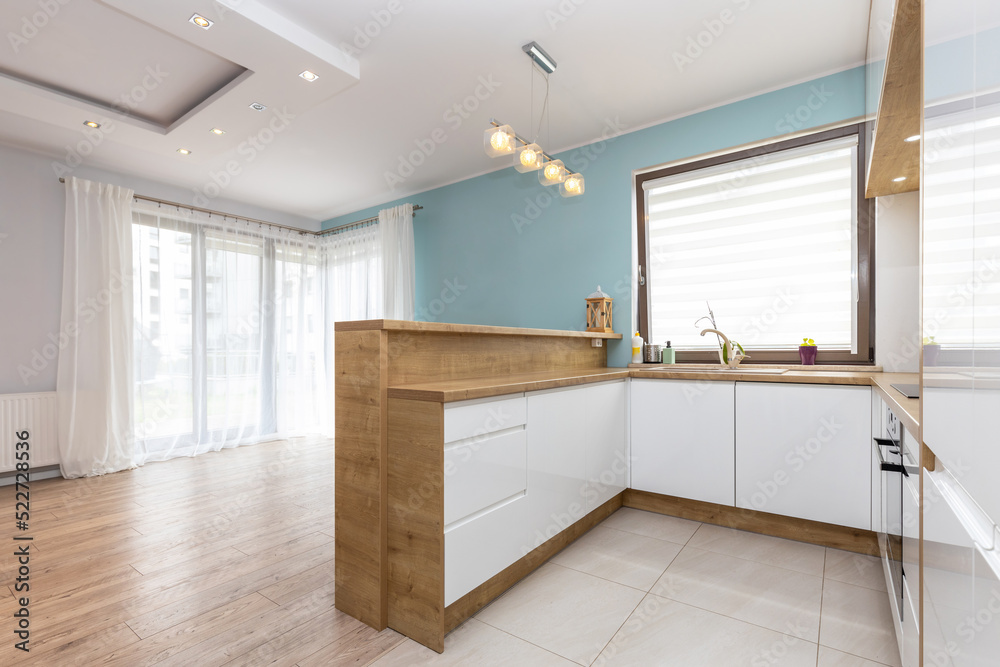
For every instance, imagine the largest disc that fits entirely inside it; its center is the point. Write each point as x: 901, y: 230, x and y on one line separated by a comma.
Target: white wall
x: 32, y: 211
x: 897, y: 282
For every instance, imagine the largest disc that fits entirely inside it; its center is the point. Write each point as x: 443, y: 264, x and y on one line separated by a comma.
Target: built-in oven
x: 889, y: 454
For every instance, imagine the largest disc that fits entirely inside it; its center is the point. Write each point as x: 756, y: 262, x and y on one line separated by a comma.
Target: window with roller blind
x: 776, y: 238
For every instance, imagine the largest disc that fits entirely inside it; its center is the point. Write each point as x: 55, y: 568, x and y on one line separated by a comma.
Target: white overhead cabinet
x: 805, y: 451
x: 683, y: 439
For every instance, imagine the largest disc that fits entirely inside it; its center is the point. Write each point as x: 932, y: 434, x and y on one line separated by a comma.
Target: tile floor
x: 646, y: 589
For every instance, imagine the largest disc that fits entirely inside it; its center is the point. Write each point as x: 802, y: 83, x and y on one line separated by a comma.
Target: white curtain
x: 353, y: 270
x: 94, y: 377
x: 229, y: 333
x: 396, y: 228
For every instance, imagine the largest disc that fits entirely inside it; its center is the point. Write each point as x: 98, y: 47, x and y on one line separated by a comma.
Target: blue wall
x: 502, y: 249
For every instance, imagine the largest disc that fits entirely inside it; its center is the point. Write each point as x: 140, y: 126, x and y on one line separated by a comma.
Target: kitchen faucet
x: 729, y: 354
x: 732, y: 356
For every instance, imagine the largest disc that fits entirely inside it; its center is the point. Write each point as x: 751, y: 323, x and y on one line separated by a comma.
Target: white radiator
x: 36, y: 414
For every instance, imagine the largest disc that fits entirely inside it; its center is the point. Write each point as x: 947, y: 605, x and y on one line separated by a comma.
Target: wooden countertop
x: 907, y: 409
x: 445, y: 327
x: 793, y: 376
x: 447, y: 391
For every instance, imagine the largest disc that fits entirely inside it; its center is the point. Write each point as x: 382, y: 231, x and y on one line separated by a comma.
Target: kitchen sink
x: 720, y: 369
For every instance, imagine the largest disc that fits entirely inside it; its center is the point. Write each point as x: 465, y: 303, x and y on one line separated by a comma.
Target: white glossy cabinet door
x: 805, y: 451
x: 576, y: 454
x: 683, y: 439
x: 478, y: 549
x: 607, y: 464
x: 485, y: 501
x: 949, y: 577
x: 557, y: 462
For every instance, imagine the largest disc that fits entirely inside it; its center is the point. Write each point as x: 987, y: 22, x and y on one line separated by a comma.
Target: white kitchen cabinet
x: 805, y: 451
x: 520, y: 469
x: 485, y: 482
x: 607, y: 463
x: 576, y: 452
x: 482, y: 547
x: 683, y: 439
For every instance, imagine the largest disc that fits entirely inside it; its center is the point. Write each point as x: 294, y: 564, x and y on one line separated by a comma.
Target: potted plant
x: 931, y: 351
x: 807, y: 352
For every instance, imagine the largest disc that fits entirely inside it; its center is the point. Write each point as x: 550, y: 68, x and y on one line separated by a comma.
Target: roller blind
x: 769, y: 241
x: 961, y: 262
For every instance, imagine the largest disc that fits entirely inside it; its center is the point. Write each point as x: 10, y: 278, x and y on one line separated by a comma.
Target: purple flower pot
x: 931, y: 352
x: 807, y: 354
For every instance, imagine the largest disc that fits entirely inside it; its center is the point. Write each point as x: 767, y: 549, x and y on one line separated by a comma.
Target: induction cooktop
x: 908, y: 390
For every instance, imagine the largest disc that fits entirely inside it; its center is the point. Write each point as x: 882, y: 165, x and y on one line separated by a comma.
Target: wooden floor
x: 223, y: 559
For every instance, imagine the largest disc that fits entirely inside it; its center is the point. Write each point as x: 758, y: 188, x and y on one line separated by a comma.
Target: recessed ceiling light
x: 257, y: 106
x: 90, y: 123
x: 216, y: 130
x: 899, y: 179
x: 915, y: 137
x: 201, y: 21
x: 309, y: 76
x: 183, y: 151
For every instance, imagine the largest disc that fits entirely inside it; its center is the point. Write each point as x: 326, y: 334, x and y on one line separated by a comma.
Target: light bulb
x: 500, y: 140
x: 528, y: 157
x: 572, y: 184
x: 552, y: 171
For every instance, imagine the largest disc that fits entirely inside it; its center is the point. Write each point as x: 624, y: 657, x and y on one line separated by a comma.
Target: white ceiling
x: 375, y: 99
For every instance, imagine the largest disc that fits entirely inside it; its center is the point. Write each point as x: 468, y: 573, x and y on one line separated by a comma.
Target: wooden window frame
x: 865, y: 306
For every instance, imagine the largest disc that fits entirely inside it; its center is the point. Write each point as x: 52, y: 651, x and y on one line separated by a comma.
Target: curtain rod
x: 254, y: 220
x: 357, y: 222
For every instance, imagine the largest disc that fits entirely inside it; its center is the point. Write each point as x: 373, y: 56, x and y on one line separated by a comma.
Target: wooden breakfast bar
x: 390, y: 542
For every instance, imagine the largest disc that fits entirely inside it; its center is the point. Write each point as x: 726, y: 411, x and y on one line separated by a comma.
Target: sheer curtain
x: 229, y: 333
x: 353, y: 269
x: 184, y: 332
x: 94, y: 378
x: 396, y: 228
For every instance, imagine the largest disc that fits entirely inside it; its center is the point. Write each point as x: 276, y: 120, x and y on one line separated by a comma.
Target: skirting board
x: 467, y: 605
x: 34, y: 475
x: 802, y: 530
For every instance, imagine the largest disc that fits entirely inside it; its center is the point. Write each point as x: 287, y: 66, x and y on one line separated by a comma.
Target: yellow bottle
x: 636, y: 348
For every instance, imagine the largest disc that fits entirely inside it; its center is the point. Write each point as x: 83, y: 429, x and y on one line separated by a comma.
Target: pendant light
x: 528, y: 158
x: 500, y: 139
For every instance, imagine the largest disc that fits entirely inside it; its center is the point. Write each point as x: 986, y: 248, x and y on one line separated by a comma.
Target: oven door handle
x: 885, y: 466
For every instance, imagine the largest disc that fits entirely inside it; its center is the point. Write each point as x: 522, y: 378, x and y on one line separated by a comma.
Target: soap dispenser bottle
x: 636, y: 348
x: 667, y: 354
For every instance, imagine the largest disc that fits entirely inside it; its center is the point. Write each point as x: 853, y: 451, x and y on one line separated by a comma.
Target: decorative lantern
x: 599, y: 312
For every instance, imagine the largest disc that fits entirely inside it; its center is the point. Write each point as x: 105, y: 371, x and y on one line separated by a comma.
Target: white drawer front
x: 483, y: 471
x: 474, y: 419
x: 481, y: 548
